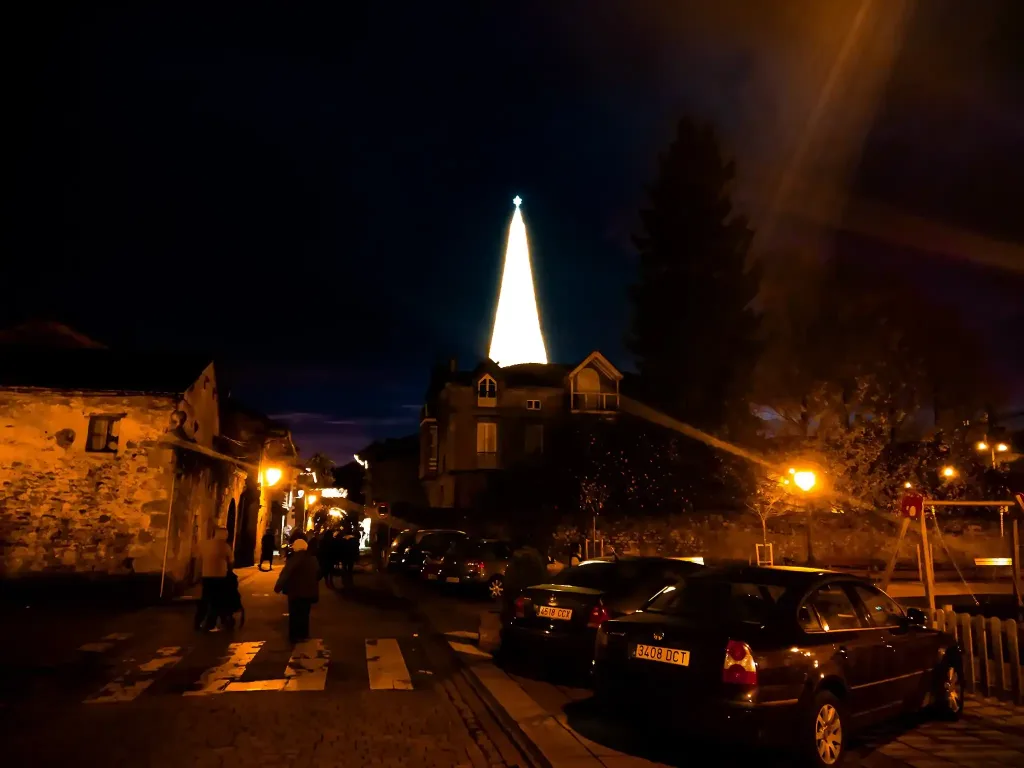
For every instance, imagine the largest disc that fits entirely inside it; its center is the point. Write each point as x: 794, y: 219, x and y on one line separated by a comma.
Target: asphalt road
x: 373, y: 687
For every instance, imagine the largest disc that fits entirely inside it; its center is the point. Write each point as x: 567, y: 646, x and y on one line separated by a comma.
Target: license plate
x: 431, y: 577
x: 664, y: 655
x: 555, y: 613
x: 452, y: 579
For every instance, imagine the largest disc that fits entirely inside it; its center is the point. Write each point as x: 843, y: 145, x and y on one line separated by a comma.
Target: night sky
x: 320, y: 197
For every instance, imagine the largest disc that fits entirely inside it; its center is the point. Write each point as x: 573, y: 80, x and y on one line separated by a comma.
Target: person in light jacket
x: 217, y: 559
x: 300, y: 581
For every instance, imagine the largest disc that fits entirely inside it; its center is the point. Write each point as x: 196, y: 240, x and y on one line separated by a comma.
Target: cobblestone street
x: 371, y: 689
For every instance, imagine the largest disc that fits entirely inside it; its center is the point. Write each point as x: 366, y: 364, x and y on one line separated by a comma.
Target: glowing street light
x: 982, y: 445
x: 311, y: 500
x: 948, y: 472
x: 805, y: 480
x: 908, y: 484
x: 1002, y: 447
x: 272, y: 475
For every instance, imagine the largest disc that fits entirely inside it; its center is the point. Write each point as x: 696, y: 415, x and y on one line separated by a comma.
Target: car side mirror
x: 916, y: 618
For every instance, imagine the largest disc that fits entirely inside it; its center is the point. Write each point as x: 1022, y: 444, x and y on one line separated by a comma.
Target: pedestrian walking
x: 327, y: 556
x: 217, y: 559
x: 300, y: 581
x: 349, y: 553
x: 267, y: 550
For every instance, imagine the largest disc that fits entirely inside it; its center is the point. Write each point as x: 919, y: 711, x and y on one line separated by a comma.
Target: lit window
x: 533, y: 405
x: 487, y: 392
x: 103, y: 431
x: 486, y: 437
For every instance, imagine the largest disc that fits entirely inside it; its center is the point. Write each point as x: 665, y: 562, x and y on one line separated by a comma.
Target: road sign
x: 911, y: 505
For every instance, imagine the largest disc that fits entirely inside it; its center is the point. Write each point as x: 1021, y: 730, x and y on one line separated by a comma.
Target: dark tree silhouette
x: 693, y: 332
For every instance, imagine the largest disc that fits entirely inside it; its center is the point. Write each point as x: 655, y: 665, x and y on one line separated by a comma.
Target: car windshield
x: 718, y: 599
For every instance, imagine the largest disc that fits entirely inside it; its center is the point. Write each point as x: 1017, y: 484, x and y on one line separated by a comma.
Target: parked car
x: 561, y: 618
x: 790, y: 657
x: 407, y: 553
x: 477, y: 564
x: 428, y: 544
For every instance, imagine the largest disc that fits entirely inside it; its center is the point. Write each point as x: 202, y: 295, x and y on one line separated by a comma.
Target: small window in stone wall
x: 103, y: 431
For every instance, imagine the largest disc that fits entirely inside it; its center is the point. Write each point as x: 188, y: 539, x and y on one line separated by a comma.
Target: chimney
x: 453, y: 365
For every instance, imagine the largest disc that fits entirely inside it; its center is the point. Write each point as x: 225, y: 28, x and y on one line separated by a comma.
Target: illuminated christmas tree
x: 517, y: 337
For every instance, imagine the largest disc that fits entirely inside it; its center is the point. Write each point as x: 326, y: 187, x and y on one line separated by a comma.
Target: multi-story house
x: 478, y: 422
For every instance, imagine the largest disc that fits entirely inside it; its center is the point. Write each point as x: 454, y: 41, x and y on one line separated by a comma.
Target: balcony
x: 487, y: 461
x: 595, y: 402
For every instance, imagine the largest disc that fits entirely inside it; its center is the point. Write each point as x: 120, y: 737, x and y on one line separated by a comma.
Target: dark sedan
x: 473, y: 564
x: 777, y: 656
x: 410, y: 548
x: 561, y: 618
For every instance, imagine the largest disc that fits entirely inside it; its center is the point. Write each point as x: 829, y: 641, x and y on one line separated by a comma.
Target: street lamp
x: 805, y: 480
x: 1002, y: 447
x: 908, y: 484
x: 272, y: 475
x: 311, y: 500
x: 948, y: 472
x: 982, y: 445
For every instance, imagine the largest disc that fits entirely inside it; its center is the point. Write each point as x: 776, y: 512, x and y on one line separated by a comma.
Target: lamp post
x: 805, y: 480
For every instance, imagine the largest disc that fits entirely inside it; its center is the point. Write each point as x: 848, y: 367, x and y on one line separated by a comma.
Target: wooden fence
x: 992, y: 653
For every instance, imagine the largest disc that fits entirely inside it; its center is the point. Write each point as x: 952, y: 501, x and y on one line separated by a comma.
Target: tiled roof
x: 98, y: 370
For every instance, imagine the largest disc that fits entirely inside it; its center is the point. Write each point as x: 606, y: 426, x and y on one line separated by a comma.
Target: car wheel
x: 496, y: 588
x: 822, y: 735
x: 948, y: 698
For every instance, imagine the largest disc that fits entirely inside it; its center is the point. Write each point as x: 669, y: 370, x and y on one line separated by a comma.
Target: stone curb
x: 526, y: 747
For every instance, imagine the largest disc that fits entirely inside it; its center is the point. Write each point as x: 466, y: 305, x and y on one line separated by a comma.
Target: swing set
x: 912, y: 507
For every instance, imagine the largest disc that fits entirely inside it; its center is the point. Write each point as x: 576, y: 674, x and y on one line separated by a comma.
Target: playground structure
x: 914, y: 508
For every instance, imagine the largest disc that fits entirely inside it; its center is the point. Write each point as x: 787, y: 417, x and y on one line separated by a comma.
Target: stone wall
x: 65, y: 510
x: 838, y: 539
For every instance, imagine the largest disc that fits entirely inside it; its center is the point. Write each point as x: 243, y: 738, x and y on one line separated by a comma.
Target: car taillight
x: 598, y: 616
x: 475, y: 565
x: 521, y: 602
x: 739, y: 667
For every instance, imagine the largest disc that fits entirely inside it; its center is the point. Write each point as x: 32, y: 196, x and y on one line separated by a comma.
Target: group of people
x: 310, y: 560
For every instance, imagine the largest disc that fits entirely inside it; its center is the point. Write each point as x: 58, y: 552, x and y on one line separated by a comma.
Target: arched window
x: 487, y: 392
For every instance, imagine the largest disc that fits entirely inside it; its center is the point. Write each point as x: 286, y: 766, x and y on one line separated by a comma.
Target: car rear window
x: 438, y: 542
x: 590, y: 575
x: 718, y: 599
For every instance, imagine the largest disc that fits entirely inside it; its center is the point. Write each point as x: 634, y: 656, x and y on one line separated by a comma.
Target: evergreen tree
x: 693, y: 329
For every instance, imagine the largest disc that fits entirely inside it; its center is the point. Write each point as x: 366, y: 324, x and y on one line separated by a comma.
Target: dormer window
x: 487, y: 392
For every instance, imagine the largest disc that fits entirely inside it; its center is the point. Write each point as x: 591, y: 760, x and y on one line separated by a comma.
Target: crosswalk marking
x: 307, y: 668
x: 385, y: 665
x: 218, y: 679
x: 130, y: 685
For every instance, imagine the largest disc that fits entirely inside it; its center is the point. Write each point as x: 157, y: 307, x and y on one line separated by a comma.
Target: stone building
x: 477, y: 422
x: 114, y: 465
